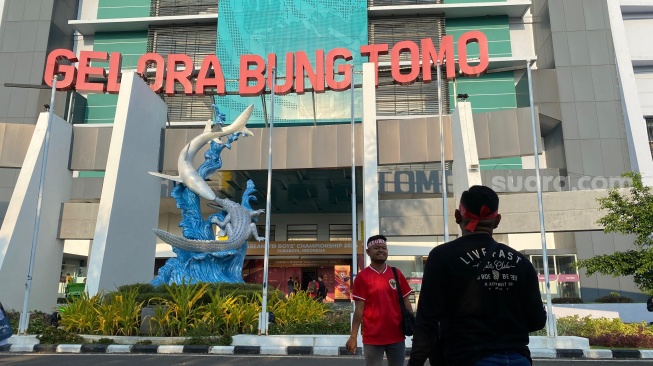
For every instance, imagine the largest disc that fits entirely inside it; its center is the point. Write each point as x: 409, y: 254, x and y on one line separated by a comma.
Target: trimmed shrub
x: 225, y: 340
x: 141, y: 288
x: 593, y: 327
x: 52, y: 335
x: 567, y: 300
x: 297, y: 309
x: 251, y: 292
x: 207, y: 313
x: 79, y: 315
x: 538, y: 333
x: 318, y: 327
x: 614, y: 298
x: 638, y: 340
x: 38, y: 321
x: 225, y: 312
x: 201, y: 336
x: 104, y: 341
x: 115, y: 314
x: 14, y: 319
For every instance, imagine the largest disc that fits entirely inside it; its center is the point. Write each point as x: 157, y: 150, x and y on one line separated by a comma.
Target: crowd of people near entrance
x: 315, y: 289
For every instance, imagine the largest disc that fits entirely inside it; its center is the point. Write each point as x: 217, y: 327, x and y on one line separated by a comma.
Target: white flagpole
x: 263, y: 319
x: 23, y: 322
x: 354, y: 254
x: 551, y: 327
x: 443, y: 180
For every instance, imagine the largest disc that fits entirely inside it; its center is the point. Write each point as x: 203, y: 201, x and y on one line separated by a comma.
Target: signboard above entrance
x: 330, y: 69
x: 293, y: 248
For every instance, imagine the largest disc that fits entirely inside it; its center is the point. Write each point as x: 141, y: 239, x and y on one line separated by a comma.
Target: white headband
x: 375, y: 241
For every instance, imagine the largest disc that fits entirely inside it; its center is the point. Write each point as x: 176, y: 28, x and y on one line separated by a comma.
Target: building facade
x: 591, y: 91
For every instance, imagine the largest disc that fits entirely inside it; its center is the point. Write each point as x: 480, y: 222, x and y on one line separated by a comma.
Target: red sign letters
x: 330, y: 70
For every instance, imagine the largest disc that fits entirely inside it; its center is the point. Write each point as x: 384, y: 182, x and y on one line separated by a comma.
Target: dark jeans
x: 395, y: 353
x: 509, y: 359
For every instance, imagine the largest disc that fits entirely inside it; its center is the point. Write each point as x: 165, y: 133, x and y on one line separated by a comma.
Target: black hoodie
x: 477, y: 313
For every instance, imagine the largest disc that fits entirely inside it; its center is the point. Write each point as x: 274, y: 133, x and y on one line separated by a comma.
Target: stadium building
x: 592, y: 89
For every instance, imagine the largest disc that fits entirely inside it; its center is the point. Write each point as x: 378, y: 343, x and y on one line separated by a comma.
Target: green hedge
x: 38, y: 321
x: 614, y: 298
x: 567, y: 300
x: 206, y: 309
x: 52, y: 335
x: 320, y: 327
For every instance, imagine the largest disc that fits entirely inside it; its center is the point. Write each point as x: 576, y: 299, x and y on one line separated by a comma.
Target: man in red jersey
x: 377, y: 307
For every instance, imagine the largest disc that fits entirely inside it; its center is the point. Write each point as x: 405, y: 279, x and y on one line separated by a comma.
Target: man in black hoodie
x: 479, y: 298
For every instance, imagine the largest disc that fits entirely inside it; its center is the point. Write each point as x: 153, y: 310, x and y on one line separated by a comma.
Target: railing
x: 402, y: 2
x: 162, y: 8
x: 196, y: 41
x: 418, y: 98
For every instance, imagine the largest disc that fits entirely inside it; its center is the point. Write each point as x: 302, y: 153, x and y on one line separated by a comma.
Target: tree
x: 627, y: 214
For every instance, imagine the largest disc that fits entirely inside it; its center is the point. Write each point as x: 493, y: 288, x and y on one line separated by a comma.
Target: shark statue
x: 238, y: 223
x: 187, y: 172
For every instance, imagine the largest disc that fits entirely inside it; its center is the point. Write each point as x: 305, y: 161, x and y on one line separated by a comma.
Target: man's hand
x: 351, y: 344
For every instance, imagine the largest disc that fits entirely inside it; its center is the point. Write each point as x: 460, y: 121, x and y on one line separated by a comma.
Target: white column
x: 636, y: 134
x: 124, y: 245
x: 2, y: 8
x: 18, y: 226
x: 370, y: 155
x: 466, y: 172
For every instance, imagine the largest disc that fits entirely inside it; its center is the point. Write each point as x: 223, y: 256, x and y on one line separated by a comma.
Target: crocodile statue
x: 237, y: 225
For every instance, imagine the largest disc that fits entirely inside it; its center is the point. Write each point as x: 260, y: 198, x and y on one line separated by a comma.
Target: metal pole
x: 263, y: 329
x: 550, y: 331
x: 23, y: 323
x: 354, y: 254
x: 443, y: 181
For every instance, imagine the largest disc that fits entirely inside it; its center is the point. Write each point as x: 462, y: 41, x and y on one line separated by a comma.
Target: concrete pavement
x: 212, y: 360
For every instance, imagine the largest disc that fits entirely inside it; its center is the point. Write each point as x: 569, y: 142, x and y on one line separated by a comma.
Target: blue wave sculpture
x: 200, y: 257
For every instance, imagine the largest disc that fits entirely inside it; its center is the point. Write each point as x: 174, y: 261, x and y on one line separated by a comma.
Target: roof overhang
x: 90, y: 27
x: 513, y: 9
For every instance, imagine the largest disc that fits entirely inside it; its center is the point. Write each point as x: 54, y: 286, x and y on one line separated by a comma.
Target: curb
x: 541, y: 353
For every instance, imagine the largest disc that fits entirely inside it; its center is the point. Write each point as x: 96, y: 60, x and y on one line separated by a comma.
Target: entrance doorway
x: 307, y: 274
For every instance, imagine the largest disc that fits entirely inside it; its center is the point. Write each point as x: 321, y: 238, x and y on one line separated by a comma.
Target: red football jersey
x: 382, y: 314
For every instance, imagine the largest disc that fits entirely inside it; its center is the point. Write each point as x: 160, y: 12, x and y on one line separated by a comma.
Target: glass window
x: 565, y: 264
x: 563, y: 275
x: 539, y: 264
x: 302, y: 232
x: 413, y: 270
x: 339, y: 232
